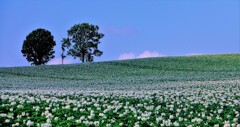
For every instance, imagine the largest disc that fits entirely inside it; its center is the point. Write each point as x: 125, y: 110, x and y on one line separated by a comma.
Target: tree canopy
x: 82, y: 42
x: 38, y: 47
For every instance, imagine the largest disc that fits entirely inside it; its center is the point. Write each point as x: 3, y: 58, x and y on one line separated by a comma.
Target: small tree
x: 63, y: 50
x: 38, y: 47
x: 82, y: 42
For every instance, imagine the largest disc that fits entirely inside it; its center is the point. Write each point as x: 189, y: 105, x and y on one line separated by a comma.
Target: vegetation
x: 82, y: 42
x: 168, y: 91
x: 38, y: 47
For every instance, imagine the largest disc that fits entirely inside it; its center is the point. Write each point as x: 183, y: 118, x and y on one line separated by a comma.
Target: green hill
x: 191, y: 91
x: 147, y: 73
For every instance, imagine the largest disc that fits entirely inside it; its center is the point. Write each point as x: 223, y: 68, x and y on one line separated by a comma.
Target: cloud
x: 126, y: 56
x: 145, y: 54
x: 194, y: 54
x: 59, y: 61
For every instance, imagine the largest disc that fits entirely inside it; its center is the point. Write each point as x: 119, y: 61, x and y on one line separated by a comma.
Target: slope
x: 147, y: 73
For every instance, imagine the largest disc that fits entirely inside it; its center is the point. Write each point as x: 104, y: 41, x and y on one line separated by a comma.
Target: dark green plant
x: 82, y: 42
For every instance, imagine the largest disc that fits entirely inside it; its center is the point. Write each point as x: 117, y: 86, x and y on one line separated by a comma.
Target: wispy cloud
x: 59, y: 61
x: 126, y: 56
x: 194, y: 54
x: 145, y: 54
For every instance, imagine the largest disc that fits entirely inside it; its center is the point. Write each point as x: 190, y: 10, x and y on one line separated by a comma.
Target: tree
x: 38, y: 47
x: 63, y: 50
x: 82, y: 42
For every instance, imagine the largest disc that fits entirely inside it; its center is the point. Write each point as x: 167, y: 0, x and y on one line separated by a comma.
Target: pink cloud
x: 59, y: 61
x: 126, y: 56
x: 145, y: 54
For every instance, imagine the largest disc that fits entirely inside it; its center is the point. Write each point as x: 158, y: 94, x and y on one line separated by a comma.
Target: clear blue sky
x: 131, y: 27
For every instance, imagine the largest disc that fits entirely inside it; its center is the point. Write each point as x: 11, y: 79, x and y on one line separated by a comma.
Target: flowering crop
x: 204, y: 92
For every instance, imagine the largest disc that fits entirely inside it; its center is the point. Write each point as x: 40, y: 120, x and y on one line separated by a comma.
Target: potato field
x: 169, y: 91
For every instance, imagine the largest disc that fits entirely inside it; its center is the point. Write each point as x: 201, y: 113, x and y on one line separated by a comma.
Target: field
x: 168, y: 91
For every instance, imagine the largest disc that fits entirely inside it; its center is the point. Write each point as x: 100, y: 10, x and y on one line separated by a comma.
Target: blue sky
x: 133, y: 29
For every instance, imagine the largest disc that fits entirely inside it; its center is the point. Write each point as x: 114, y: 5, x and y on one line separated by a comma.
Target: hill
x: 147, y: 73
x: 169, y: 91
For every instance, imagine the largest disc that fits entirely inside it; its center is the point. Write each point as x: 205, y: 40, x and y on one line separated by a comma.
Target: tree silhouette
x: 38, y: 47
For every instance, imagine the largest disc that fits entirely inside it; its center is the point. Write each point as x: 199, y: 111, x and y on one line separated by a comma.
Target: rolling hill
x: 128, y: 74
x: 169, y: 91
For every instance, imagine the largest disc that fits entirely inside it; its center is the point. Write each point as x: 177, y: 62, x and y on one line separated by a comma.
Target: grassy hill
x: 147, y: 73
x: 191, y: 91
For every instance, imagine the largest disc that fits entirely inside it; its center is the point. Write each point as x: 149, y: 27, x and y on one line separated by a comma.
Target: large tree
x: 82, y: 42
x: 38, y: 47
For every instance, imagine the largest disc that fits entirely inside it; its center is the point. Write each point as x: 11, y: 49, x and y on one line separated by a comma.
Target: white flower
x: 56, y: 118
x: 3, y: 115
x: 176, y: 124
x: 90, y: 117
x: 7, y: 121
x: 81, y: 110
x: 220, y: 111
x: 23, y: 113
x: 171, y: 117
x: 15, y: 125
x: 46, y: 125
x: 180, y: 119
x: 159, y: 119
x: 78, y: 121
x: 67, y: 107
x: 48, y: 120
x: 13, y: 103
x: 82, y: 117
x: 136, y: 125
x: 96, y: 123
x: 235, y: 120
x: 101, y: 114
x: 178, y: 110
x: 19, y: 106
x: 120, y: 124
x: 199, y: 120
x: 29, y: 123
x: 49, y: 115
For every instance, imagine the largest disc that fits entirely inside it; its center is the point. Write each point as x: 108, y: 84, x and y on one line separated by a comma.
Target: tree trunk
x: 83, y: 56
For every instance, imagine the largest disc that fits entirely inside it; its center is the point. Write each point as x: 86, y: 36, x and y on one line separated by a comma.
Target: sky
x: 132, y: 28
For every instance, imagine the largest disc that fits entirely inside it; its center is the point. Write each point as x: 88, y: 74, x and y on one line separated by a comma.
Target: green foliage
x: 82, y: 42
x: 38, y: 47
